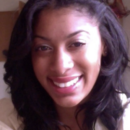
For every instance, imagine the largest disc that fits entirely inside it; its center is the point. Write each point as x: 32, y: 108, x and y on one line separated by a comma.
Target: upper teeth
x: 67, y: 84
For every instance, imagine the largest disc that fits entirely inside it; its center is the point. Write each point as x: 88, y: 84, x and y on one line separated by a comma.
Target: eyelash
x: 79, y: 44
x: 46, y: 48
x: 42, y: 48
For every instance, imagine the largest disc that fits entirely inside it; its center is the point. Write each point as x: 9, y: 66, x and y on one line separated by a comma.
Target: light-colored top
x: 9, y: 119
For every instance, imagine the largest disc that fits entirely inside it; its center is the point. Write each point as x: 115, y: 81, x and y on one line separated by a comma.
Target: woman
x: 65, y: 64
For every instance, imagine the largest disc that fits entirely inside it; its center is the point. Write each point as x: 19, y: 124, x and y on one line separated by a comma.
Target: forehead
x: 60, y: 22
x: 63, y: 11
x: 52, y: 14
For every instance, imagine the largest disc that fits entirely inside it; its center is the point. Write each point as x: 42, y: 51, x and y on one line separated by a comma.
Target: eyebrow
x: 70, y: 35
x: 75, y: 33
x: 41, y: 37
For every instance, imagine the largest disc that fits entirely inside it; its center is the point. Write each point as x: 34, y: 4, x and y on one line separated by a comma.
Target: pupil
x: 77, y: 44
x: 44, y: 48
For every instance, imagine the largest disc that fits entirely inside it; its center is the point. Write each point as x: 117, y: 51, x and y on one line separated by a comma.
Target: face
x: 66, y: 55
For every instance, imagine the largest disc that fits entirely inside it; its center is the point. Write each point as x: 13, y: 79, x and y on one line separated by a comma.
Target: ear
x: 104, y: 49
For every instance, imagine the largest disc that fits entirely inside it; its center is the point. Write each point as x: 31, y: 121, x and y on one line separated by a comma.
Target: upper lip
x: 63, y: 79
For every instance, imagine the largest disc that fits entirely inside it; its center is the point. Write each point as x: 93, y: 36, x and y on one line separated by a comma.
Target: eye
x: 43, y: 48
x: 77, y: 44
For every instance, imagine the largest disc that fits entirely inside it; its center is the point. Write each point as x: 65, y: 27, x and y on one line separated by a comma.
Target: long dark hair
x: 33, y: 103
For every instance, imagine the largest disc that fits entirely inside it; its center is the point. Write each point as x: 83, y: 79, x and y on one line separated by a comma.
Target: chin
x: 68, y: 103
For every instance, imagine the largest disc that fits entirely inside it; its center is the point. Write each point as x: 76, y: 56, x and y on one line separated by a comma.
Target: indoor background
x: 13, y: 6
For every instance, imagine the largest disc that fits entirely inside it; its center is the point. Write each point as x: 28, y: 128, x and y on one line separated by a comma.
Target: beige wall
x: 9, y: 5
x: 6, y: 5
x: 126, y: 26
x: 3, y: 88
x: 126, y: 21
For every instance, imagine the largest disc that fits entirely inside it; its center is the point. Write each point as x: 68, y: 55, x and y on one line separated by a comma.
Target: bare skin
x: 67, y: 48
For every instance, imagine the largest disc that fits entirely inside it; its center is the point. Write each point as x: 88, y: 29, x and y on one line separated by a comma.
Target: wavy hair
x: 33, y: 103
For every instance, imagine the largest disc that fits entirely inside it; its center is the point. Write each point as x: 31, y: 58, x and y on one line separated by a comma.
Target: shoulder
x: 9, y: 119
x: 124, y: 121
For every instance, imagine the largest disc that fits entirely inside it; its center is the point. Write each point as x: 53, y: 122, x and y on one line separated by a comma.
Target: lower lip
x: 65, y: 90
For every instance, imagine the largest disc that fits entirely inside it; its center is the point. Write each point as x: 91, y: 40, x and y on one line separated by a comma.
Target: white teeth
x: 67, y: 84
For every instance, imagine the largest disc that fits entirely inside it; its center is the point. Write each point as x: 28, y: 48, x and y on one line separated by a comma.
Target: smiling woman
x: 65, y: 64
x: 66, y: 60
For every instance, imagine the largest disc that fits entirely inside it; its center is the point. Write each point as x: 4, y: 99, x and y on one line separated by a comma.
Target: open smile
x: 65, y: 81
x: 65, y: 85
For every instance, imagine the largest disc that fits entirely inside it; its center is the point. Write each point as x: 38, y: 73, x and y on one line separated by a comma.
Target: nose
x: 62, y: 62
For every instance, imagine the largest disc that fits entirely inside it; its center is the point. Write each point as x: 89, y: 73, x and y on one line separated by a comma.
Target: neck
x: 67, y: 116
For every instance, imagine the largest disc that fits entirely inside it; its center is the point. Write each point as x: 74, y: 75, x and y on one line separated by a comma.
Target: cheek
x: 91, y: 62
x: 94, y: 50
x: 93, y: 56
x: 39, y: 66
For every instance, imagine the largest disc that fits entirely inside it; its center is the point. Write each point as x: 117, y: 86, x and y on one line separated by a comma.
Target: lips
x: 62, y: 79
x: 65, y: 85
x: 63, y: 82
